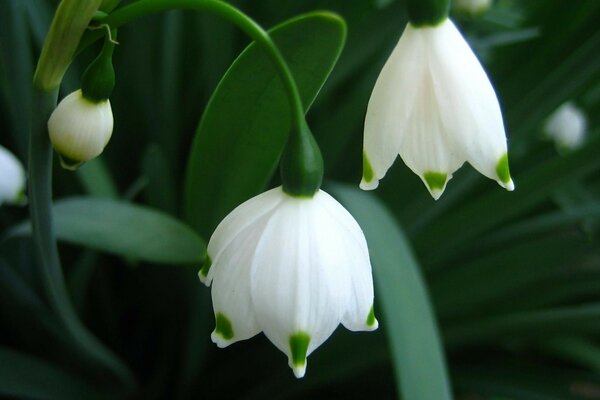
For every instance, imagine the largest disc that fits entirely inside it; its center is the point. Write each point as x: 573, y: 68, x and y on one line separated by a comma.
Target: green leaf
x: 125, y: 229
x: 245, y: 125
x: 408, y: 317
x: 25, y: 376
x: 529, y: 324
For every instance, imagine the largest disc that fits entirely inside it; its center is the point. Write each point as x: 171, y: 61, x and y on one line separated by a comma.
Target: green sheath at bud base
x: 301, y: 164
x: 427, y: 12
x: 98, y: 80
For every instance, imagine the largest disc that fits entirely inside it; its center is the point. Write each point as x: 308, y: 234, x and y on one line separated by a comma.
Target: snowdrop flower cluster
x: 12, y: 178
x: 434, y: 105
x: 566, y: 126
x: 80, y: 128
x: 291, y: 267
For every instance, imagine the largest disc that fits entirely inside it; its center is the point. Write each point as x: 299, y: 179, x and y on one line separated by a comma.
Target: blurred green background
x: 513, y: 278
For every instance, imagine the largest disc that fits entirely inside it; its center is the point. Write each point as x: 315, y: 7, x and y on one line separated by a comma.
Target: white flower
x: 434, y: 105
x: 472, y: 7
x: 12, y: 178
x: 567, y: 126
x: 291, y: 267
x: 80, y: 128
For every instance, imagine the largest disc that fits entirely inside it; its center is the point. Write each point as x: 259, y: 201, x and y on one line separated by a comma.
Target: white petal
x: 353, y: 257
x: 236, y: 221
x: 467, y: 102
x: 427, y: 148
x: 80, y: 129
x: 390, y: 106
x: 232, y: 303
x: 12, y: 177
x: 296, y: 291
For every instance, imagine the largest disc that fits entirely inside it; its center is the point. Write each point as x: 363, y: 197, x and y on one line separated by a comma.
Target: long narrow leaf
x: 407, y: 314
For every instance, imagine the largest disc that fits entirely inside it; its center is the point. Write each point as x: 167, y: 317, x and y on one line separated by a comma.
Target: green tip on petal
x: 223, y: 326
x: 436, y: 182
x: 368, y: 181
x: 299, y: 347
x: 371, y: 320
x: 206, y: 267
x: 368, y: 174
x: 503, y: 172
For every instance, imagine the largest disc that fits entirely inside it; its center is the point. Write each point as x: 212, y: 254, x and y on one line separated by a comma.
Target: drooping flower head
x: 12, y: 178
x: 434, y: 105
x: 82, y: 123
x: 80, y: 128
x: 291, y: 267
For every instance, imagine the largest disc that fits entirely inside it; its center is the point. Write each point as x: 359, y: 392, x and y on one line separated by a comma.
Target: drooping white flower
x: 472, y: 7
x: 434, y: 105
x: 291, y: 267
x: 567, y: 126
x: 80, y: 128
x: 12, y: 178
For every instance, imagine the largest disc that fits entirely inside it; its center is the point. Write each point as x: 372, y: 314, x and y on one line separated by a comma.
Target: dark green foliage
x: 514, y: 278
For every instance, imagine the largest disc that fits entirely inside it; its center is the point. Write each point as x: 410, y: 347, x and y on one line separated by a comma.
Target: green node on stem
x: 301, y: 164
x: 427, y: 12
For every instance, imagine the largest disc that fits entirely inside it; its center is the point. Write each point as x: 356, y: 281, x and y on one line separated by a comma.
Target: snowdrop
x: 12, y: 178
x: 82, y: 123
x: 292, y: 267
x: 566, y: 126
x: 434, y: 105
x: 80, y: 128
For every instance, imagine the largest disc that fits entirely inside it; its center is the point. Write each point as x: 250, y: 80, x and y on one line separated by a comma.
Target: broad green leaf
x: 408, y: 318
x: 125, y: 229
x: 25, y: 376
x: 245, y: 125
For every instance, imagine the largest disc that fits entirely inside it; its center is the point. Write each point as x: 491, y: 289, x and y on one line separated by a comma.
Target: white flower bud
x: 566, y: 126
x: 293, y: 268
x: 12, y: 178
x: 80, y: 129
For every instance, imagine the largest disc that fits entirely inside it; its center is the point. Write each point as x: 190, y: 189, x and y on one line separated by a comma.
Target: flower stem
x: 145, y: 7
x: 40, y: 206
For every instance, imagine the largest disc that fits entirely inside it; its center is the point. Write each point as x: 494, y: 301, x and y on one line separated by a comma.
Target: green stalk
x: 40, y: 206
x: 142, y: 8
x: 302, y: 163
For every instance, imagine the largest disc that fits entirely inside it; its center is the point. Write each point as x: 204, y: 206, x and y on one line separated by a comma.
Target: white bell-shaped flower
x: 434, y: 105
x: 80, y: 128
x: 291, y: 267
x: 567, y: 126
x: 12, y: 178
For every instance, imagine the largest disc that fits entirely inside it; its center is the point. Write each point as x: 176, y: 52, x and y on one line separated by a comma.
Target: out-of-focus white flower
x: 291, y: 267
x: 434, y: 105
x: 12, y: 178
x: 472, y: 7
x: 566, y: 126
x: 80, y: 128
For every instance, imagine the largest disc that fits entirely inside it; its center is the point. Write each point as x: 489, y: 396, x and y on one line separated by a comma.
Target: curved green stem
x: 145, y: 7
x: 40, y: 205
